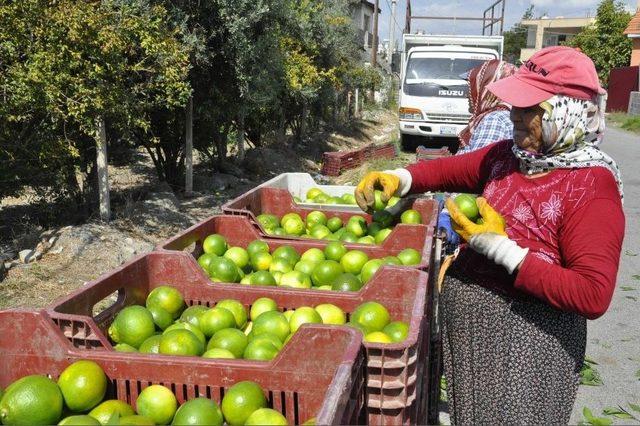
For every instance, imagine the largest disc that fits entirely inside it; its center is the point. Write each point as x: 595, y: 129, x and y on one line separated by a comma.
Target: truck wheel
x: 408, y: 142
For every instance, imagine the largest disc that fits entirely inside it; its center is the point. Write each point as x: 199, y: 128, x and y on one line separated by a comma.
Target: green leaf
x: 635, y: 299
x: 627, y: 288
x: 635, y: 407
x: 587, y: 413
x: 635, y: 277
x: 638, y: 374
x: 630, y: 253
x: 590, y: 361
x: 618, y: 412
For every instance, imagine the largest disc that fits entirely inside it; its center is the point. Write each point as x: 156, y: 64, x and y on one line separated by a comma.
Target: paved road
x: 614, y: 339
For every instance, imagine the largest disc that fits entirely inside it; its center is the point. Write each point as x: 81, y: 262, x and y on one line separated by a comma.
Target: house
x: 633, y: 32
x: 545, y: 32
x: 362, y: 15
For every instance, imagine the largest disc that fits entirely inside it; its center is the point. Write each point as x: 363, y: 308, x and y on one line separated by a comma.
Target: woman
x: 545, y: 259
x: 490, y: 120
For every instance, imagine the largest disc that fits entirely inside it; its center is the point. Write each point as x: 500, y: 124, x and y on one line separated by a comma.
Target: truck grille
x: 448, y: 118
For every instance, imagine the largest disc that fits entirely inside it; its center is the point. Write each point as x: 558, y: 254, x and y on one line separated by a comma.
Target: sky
x: 475, y: 8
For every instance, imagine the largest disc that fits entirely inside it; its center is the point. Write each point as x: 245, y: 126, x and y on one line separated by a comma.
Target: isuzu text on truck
x: 434, y: 92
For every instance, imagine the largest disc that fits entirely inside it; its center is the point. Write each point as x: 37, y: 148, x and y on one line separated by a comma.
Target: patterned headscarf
x: 572, y: 129
x: 483, y: 101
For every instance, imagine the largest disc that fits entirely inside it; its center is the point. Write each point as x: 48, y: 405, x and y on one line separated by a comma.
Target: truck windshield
x: 421, y: 69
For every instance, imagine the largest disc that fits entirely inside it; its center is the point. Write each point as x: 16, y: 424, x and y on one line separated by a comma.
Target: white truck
x: 433, y: 99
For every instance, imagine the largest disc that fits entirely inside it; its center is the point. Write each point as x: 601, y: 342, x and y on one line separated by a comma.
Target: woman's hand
x: 488, y: 238
x: 492, y: 221
x: 390, y: 182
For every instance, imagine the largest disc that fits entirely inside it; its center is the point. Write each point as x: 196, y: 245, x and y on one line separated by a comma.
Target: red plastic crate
x: 330, y: 387
x: 396, y: 373
x: 334, y: 163
x: 426, y: 154
x: 279, y: 201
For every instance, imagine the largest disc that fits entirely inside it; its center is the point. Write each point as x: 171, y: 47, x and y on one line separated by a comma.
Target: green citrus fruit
x: 218, y: 353
x: 326, y: 272
x: 231, y: 339
x: 261, y: 261
x: 151, y: 345
x: 372, y: 315
x: 238, y: 255
x: 349, y: 199
x: 241, y: 400
x: 273, y: 322
x: 271, y: 338
x: 304, y: 315
x: 353, y: 261
x: 79, y: 420
x: 295, y: 279
x: 256, y: 247
x: 181, y: 342
x: 382, y: 235
x: 288, y: 313
x: 358, y: 326
x: 216, y: 319
x: 198, y: 411
x: 161, y: 317
x: 157, y: 403
x: 287, y: 253
x: 123, y: 347
x: 263, y: 278
x: 192, y: 314
x: 289, y: 216
x: 237, y: 309
x: 133, y: 325
x: 187, y: 326
x: 136, y: 420
x: 316, y: 218
x: 168, y: 298
x: 392, y: 260
x: 334, y: 224
x: 31, y: 400
x: 377, y: 337
x: 281, y: 265
x: 367, y: 239
x: 409, y: 257
x: 215, y: 244
x: 373, y: 229
x: 346, y: 282
x: 294, y: 227
x: 107, y: 409
x: 268, y: 221
x: 348, y: 237
x: 313, y: 193
x: 223, y: 270
x: 331, y: 314
x: 205, y: 260
x: 369, y: 269
x: 262, y: 305
x: 266, y: 416
x: 357, y: 225
x: 379, y: 203
x: 260, y: 350
x: 314, y: 255
x: 335, y: 250
x: 305, y: 266
x: 396, y: 330
x: 319, y: 232
x: 468, y: 206
x: 411, y: 217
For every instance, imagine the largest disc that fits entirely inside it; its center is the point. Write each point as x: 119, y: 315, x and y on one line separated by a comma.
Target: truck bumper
x: 422, y: 128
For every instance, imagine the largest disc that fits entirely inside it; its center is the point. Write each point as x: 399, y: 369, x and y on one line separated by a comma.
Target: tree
x: 604, y: 41
x: 515, y: 39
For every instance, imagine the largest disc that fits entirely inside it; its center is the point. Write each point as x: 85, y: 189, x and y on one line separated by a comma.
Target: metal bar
x: 502, y: 17
x: 492, y: 17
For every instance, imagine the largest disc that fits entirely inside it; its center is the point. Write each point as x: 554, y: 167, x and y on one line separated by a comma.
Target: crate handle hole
x: 108, y: 303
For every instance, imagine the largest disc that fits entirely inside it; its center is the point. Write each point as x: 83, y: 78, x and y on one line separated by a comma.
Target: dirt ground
x: 148, y: 212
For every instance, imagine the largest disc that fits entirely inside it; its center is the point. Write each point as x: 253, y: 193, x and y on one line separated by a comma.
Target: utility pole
x: 407, y: 18
x: 374, y: 49
x: 392, y: 28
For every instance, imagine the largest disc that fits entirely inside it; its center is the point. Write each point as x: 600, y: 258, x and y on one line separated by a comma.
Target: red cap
x: 557, y: 70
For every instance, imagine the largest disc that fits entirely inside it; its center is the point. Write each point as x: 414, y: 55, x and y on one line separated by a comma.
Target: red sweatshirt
x: 570, y: 219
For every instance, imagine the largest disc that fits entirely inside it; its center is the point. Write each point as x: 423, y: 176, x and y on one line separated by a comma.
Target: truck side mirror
x: 395, y: 62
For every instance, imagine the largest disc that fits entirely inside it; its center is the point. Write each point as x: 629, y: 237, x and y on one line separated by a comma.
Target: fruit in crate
x: 36, y: 399
x: 323, y: 226
x: 314, y: 268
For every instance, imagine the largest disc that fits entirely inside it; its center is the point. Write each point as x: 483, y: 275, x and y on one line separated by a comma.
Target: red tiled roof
x: 634, y: 25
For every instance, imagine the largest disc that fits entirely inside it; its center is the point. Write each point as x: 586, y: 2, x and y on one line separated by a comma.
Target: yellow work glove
x: 365, y: 191
x: 492, y: 221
